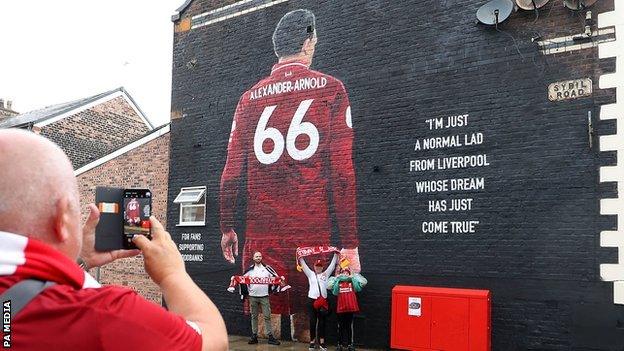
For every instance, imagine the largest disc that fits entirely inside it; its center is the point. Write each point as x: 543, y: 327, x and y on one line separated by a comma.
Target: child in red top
x: 345, y: 286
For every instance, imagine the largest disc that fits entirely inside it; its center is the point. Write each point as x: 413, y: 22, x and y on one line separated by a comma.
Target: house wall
x: 147, y: 166
x: 536, y: 215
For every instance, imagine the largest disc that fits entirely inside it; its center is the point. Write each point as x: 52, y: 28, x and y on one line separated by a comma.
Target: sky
x: 55, y: 51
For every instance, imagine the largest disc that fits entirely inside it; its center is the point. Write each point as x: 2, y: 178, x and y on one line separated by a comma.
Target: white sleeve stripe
x: 232, y: 131
x: 194, y: 326
x: 348, y: 117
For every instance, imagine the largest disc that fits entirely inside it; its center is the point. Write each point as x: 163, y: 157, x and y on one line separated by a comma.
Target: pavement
x: 239, y: 343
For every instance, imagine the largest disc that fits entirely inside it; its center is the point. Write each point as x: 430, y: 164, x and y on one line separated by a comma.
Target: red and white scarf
x: 243, y: 279
x: 30, y: 258
x: 313, y: 250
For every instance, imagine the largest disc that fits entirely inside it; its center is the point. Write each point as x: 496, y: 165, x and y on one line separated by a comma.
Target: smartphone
x: 137, y: 209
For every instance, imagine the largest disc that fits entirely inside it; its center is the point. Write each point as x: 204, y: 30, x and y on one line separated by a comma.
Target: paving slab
x: 239, y: 343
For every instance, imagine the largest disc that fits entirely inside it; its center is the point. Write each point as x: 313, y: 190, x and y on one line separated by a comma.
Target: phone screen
x: 137, y: 209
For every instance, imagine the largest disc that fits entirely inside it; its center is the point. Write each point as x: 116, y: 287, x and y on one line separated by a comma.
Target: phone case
x: 108, y: 233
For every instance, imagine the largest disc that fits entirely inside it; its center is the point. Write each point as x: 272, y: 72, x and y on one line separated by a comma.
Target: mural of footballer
x: 292, y: 136
x: 133, y: 212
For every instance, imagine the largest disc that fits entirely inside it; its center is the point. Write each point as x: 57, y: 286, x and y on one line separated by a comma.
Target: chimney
x: 9, y: 105
x: 1, y: 103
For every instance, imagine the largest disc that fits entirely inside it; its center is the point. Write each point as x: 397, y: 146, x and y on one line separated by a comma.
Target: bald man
x: 41, y: 238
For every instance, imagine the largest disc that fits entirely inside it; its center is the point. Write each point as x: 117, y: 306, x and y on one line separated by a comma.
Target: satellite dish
x: 495, y: 11
x: 578, y: 4
x: 531, y: 4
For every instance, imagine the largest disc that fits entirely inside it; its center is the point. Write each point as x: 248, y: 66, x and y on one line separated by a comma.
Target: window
x: 192, y: 202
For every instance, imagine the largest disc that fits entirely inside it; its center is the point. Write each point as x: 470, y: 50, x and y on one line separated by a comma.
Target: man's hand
x: 229, y: 246
x: 95, y: 258
x: 162, y: 257
x: 353, y: 256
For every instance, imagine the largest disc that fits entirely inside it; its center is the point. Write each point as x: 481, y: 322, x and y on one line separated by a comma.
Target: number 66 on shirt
x: 297, y: 127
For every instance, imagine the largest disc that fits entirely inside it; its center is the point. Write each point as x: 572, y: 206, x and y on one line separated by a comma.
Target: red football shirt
x: 108, y: 318
x: 347, y: 300
x: 133, y: 211
x: 292, y: 134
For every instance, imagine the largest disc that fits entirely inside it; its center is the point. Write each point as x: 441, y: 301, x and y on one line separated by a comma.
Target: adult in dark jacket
x: 258, y: 296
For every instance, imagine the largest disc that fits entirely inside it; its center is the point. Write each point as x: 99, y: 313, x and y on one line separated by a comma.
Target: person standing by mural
x: 292, y: 135
x: 345, y: 286
x: 258, y: 295
x: 317, y: 298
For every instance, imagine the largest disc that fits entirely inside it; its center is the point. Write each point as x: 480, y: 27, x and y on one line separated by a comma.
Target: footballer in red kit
x: 133, y: 212
x: 291, y: 139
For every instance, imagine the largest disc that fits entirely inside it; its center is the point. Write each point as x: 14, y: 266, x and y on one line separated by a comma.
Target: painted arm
x: 230, y: 182
x: 343, y: 177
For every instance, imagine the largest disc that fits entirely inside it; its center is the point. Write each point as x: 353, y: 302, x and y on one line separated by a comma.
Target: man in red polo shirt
x: 40, y: 240
x: 292, y: 133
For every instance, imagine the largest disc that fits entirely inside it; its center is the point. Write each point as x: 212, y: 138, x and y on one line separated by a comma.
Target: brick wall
x: 97, y: 131
x: 118, y: 106
x: 144, y: 167
x: 537, y: 243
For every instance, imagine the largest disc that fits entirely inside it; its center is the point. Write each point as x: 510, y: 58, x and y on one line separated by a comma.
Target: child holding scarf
x: 345, y: 286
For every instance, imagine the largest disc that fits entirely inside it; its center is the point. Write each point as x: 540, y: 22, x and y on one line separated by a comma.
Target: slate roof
x: 52, y: 111
x: 87, y: 131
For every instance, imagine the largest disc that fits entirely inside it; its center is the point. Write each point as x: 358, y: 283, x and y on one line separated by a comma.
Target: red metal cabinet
x: 440, y: 319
